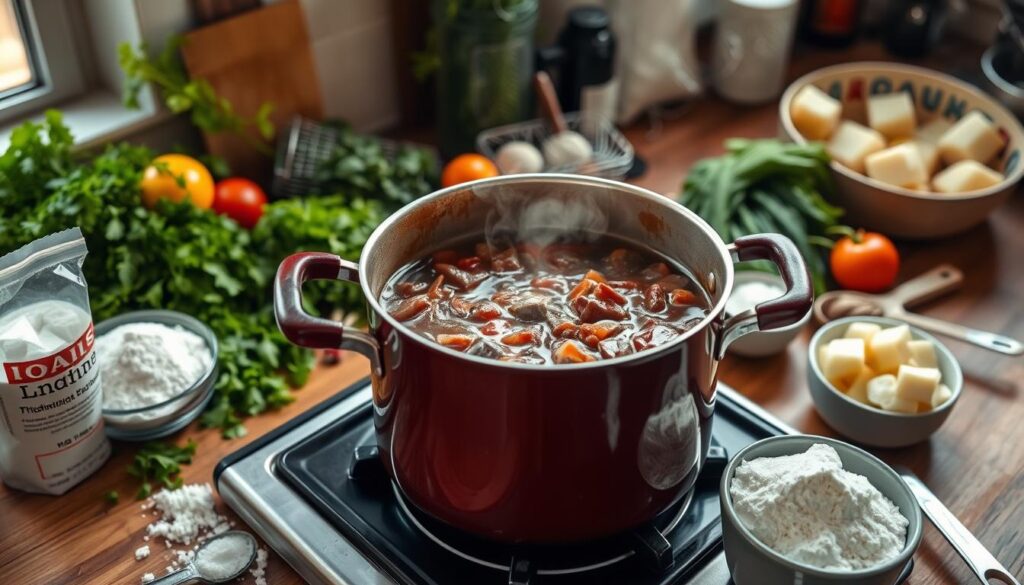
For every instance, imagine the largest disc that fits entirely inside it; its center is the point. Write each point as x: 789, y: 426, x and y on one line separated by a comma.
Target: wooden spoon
x: 934, y: 283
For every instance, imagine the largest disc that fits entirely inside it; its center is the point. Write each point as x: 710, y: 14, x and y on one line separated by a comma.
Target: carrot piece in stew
x: 681, y: 296
x: 584, y: 287
x: 624, y: 284
x: 656, y: 271
x: 521, y: 337
x: 569, y: 353
x: 409, y: 308
x: 485, y: 311
x: 607, y: 293
x: 494, y: 327
x: 595, y: 276
x: 455, y: 340
x: 601, y: 329
x: 565, y: 329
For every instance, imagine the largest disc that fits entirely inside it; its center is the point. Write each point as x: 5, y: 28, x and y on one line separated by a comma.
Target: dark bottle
x: 583, y: 56
x: 912, y: 27
x: 831, y: 23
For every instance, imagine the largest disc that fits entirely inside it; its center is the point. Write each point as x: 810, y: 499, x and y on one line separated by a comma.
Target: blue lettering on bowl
x: 908, y: 87
x: 881, y: 85
x: 954, y: 108
x: 836, y: 90
x: 931, y: 97
x: 1011, y: 162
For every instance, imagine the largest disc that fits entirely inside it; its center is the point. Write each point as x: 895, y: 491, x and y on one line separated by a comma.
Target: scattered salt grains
x: 141, y: 552
x: 259, y: 572
x: 147, y: 577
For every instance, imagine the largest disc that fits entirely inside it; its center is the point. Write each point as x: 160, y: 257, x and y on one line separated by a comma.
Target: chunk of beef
x: 459, y: 278
x: 592, y: 310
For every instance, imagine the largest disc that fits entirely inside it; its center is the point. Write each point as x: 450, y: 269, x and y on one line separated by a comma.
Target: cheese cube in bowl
x: 947, y: 121
x: 902, y: 391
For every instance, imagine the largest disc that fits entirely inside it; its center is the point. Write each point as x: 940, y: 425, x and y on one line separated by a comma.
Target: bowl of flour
x: 813, y: 510
x: 158, y: 370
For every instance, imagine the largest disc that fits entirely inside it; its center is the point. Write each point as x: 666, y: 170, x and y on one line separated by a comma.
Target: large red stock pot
x: 542, y: 453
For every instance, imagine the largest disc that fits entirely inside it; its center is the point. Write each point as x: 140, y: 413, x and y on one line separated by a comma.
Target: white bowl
x: 764, y: 343
x: 894, y: 210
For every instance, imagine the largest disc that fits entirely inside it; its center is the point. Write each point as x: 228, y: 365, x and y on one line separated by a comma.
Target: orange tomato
x: 177, y: 177
x: 467, y: 167
x: 865, y: 261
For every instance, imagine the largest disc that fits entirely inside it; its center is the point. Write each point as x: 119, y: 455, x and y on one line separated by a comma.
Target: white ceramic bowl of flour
x: 752, y: 562
x: 151, y: 399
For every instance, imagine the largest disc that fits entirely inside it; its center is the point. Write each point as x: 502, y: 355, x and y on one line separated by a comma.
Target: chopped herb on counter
x: 111, y: 497
x: 160, y: 463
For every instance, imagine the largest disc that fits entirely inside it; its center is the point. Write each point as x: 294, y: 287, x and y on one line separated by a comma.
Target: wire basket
x: 613, y: 154
x: 301, y: 151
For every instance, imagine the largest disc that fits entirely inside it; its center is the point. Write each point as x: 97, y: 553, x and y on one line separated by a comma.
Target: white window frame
x: 58, y: 66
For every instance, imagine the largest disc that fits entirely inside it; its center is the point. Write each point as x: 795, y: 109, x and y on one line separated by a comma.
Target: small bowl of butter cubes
x: 880, y: 381
x: 915, y: 153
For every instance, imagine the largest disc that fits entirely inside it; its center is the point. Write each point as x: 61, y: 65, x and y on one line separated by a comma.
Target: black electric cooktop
x: 317, y: 492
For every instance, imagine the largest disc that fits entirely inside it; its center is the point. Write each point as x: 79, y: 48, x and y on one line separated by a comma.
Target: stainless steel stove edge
x: 271, y: 508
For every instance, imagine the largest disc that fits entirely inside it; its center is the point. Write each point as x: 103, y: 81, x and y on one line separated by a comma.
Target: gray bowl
x: 869, y: 425
x: 753, y: 563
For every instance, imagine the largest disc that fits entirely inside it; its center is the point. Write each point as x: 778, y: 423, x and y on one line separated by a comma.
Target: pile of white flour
x: 148, y: 363
x: 808, y: 508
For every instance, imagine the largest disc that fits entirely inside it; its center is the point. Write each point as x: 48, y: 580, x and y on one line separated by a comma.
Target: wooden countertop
x: 975, y: 463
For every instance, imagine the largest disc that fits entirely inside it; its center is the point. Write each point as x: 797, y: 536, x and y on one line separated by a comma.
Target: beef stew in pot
x: 567, y: 302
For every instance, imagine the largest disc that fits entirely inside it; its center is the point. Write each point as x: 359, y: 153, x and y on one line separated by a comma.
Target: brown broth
x: 520, y: 303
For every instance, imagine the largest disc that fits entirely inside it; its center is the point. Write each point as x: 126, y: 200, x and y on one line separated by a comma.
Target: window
x: 15, y: 71
x: 39, y: 63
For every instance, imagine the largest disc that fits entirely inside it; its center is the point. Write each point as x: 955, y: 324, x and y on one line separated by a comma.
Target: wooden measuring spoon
x: 932, y: 284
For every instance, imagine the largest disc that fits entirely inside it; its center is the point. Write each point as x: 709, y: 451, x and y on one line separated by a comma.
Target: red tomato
x: 867, y: 262
x: 240, y: 199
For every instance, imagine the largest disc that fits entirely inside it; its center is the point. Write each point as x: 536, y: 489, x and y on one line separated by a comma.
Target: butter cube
x: 892, y: 114
x: 881, y: 390
x: 862, y: 330
x: 929, y: 156
x: 900, y: 405
x: 932, y: 131
x: 858, y: 389
x: 965, y: 176
x: 922, y: 353
x: 889, y: 349
x: 941, y: 395
x: 843, y: 360
x: 900, y: 165
x: 815, y: 113
x: 917, y: 384
x: 851, y: 143
x: 974, y: 137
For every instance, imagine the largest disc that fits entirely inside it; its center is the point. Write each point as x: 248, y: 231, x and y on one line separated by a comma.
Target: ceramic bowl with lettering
x: 897, y: 211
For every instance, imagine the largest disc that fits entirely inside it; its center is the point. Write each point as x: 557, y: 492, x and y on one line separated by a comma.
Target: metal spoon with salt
x: 207, y: 565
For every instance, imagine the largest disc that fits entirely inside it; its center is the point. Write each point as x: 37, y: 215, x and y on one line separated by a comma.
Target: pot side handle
x: 304, y: 329
x: 779, y: 312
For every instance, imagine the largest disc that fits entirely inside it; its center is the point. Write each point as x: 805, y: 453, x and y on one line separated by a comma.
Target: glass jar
x: 486, y: 65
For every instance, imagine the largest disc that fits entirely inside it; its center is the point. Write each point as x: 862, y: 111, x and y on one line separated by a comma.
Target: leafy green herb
x: 111, y: 497
x: 208, y: 111
x: 767, y: 186
x: 160, y: 463
x: 359, y: 167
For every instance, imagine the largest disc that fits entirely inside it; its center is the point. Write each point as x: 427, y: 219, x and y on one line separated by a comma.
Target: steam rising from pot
x: 541, y: 221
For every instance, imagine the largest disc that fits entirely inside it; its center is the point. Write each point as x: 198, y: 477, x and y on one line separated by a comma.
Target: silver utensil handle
x: 182, y: 575
x: 985, y: 339
x: 977, y: 557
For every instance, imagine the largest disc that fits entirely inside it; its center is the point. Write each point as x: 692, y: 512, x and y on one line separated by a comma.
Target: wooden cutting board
x: 258, y: 56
